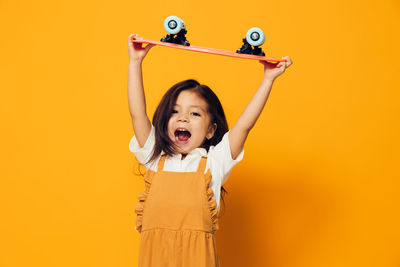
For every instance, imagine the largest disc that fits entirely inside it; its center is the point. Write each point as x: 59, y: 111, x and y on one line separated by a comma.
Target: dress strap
x: 160, y: 166
x: 202, y: 165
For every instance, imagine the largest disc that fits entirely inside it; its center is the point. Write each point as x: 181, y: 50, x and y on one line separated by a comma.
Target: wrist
x: 135, y: 62
x: 268, y: 79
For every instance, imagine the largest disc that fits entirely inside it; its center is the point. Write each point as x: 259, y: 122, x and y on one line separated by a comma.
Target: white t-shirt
x: 219, y: 160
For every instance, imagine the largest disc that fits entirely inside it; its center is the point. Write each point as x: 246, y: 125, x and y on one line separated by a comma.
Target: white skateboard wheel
x: 255, y: 36
x: 173, y: 24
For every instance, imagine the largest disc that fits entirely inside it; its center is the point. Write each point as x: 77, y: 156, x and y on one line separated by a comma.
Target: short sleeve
x: 222, y: 158
x: 143, y: 153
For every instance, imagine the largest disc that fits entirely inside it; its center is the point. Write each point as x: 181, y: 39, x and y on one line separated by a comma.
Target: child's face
x: 189, y: 124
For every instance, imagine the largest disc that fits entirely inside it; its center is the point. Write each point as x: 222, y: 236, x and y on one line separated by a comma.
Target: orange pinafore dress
x: 177, y: 219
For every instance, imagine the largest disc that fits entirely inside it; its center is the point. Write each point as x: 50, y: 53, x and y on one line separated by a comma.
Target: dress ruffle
x: 142, y: 196
x: 212, y: 203
x: 140, y: 206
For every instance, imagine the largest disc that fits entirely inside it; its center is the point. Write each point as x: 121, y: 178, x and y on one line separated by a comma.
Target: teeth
x: 182, y: 130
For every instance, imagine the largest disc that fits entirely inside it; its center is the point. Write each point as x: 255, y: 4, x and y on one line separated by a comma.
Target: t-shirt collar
x: 200, y: 151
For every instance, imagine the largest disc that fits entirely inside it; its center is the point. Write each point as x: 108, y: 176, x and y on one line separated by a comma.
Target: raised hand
x: 136, y: 51
x: 273, y: 70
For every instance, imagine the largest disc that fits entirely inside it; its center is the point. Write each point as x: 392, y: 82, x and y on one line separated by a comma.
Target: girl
x: 188, y: 152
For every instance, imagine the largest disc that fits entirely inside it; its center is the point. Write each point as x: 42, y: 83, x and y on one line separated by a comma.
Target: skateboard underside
x: 210, y: 51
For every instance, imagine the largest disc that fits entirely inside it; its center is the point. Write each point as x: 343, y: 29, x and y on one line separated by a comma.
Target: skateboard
x: 177, y: 39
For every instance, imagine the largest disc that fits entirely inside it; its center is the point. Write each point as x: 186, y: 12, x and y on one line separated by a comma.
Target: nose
x: 183, y: 118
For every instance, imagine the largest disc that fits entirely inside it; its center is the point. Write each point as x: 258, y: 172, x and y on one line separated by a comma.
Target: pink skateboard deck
x: 210, y: 51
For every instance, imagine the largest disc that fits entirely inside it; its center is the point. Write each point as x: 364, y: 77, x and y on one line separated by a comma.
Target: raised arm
x: 136, y: 97
x: 246, y: 121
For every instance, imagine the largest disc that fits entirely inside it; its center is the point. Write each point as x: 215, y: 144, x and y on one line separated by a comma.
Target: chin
x: 183, y: 151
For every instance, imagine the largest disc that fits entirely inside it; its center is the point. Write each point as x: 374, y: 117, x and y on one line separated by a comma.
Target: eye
x: 195, y: 114
x: 174, y: 111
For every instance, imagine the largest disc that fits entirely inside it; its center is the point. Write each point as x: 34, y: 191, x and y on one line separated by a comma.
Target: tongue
x: 183, y: 136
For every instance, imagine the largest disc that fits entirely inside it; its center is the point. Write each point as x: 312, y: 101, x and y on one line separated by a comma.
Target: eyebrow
x: 193, y: 106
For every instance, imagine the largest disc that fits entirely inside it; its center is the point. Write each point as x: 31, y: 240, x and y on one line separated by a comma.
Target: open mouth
x: 182, y: 136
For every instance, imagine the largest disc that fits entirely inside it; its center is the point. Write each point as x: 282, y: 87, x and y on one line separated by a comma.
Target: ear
x: 211, y: 131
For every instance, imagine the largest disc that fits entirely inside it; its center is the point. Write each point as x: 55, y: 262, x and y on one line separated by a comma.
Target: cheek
x: 169, y: 127
x: 203, y: 127
x: 171, y: 120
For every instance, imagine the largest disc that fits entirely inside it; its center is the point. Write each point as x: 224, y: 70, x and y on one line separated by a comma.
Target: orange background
x: 319, y: 183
